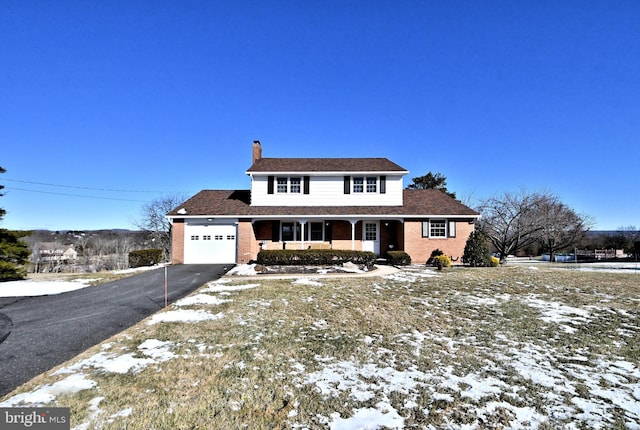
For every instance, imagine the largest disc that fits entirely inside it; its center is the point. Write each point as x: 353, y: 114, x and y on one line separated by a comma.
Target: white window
x: 435, y: 228
x: 367, y: 184
x: 218, y: 237
x: 206, y: 237
x: 282, y: 185
x: 231, y: 237
x: 371, y: 231
x: 372, y: 184
x: 195, y: 237
x: 289, y: 185
x: 358, y: 185
x: 294, y: 185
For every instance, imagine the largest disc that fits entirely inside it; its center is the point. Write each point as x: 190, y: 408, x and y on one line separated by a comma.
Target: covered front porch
x: 359, y: 234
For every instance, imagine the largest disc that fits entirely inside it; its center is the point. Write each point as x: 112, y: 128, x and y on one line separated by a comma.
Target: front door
x: 371, y: 236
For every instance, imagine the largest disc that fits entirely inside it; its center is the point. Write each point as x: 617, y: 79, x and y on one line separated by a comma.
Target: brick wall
x: 177, y: 241
x: 420, y: 248
x: 248, y: 245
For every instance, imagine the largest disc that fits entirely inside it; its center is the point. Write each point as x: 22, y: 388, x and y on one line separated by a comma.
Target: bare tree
x: 560, y: 226
x: 509, y: 222
x: 515, y: 221
x: 153, y: 220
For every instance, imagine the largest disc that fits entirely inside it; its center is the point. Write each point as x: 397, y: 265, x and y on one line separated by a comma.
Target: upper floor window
x: 285, y: 184
x: 358, y: 185
x: 294, y: 185
x: 282, y: 185
x: 368, y: 184
x: 372, y: 184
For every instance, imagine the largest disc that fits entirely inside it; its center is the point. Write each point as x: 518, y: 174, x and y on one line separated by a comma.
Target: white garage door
x: 210, y: 244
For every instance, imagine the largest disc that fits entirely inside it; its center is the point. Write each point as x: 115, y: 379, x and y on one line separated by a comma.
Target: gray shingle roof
x: 273, y: 165
x: 236, y: 203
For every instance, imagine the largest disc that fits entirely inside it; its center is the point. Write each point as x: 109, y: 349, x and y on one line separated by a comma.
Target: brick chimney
x: 257, y: 151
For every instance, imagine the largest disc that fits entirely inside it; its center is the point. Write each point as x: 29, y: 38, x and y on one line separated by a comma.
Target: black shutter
x: 306, y: 185
x: 275, y: 231
x: 383, y: 184
x: 270, y: 180
x: 347, y: 184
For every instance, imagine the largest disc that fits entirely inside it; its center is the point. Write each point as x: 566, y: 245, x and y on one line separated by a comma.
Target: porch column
x: 302, y: 222
x: 353, y: 233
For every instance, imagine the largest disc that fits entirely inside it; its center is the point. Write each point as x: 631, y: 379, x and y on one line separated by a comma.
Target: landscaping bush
x: 301, y: 257
x: 145, y: 257
x: 398, y: 258
x: 441, y: 261
x: 435, y: 253
x: 476, y: 251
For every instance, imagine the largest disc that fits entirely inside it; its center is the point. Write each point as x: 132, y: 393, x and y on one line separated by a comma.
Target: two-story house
x: 300, y: 203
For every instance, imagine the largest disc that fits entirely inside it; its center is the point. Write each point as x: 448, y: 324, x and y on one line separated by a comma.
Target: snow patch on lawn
x: 184, y: 316
x: 48, y: 393
x: 30, y: 288
x: 201, y: 299
x: 217, y: 287
x: 307, y: 281
x: 243, y: 270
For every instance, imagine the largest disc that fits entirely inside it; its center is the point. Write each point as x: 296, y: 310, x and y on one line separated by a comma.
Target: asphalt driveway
x: 38, y: 333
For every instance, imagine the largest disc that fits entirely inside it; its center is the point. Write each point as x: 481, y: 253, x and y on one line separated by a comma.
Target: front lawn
x: 507, y: 347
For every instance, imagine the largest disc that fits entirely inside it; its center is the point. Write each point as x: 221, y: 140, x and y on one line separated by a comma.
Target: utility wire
x: 81, y: 188
x: 75, y: 195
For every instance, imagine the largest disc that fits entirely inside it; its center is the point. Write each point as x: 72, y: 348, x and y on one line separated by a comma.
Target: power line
x: 75, y: 195
x: 80, y: 187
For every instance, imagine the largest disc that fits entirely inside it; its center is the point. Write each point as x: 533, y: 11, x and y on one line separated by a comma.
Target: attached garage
x: 210, y: 243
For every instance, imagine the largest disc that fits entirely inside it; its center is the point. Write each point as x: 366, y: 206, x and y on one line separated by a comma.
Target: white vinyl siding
x: 328, y: 191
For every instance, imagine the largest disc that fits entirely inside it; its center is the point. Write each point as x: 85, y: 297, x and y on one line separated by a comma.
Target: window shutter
x: 270, y: 180
x: 306, y: 185
x: 275, y: 231
x: 347, y: 184
x: 383, y: 184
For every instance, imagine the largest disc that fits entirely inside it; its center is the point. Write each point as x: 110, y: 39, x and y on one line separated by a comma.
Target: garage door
x: 210, y: 244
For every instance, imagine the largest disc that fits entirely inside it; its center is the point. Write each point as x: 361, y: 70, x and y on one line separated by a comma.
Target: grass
x: 481, y: 348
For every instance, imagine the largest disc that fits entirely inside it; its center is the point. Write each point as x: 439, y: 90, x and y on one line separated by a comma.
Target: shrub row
x: 145, y: 257
x: 398, y: 258
x: 289, y: 257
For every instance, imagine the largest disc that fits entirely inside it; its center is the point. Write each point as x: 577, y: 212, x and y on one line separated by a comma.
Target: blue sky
x: 126, y: 101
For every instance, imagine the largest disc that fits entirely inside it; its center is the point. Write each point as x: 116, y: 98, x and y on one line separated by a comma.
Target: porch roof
x: 236, y: 203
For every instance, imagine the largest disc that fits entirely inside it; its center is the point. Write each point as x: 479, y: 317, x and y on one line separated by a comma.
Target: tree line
x: 92, y: 251
x: 533, y: 222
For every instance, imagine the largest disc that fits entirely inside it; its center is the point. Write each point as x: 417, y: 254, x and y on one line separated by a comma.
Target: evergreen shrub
x: 476, y: 251
x: 145, y: 257
x: 398, y: 258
